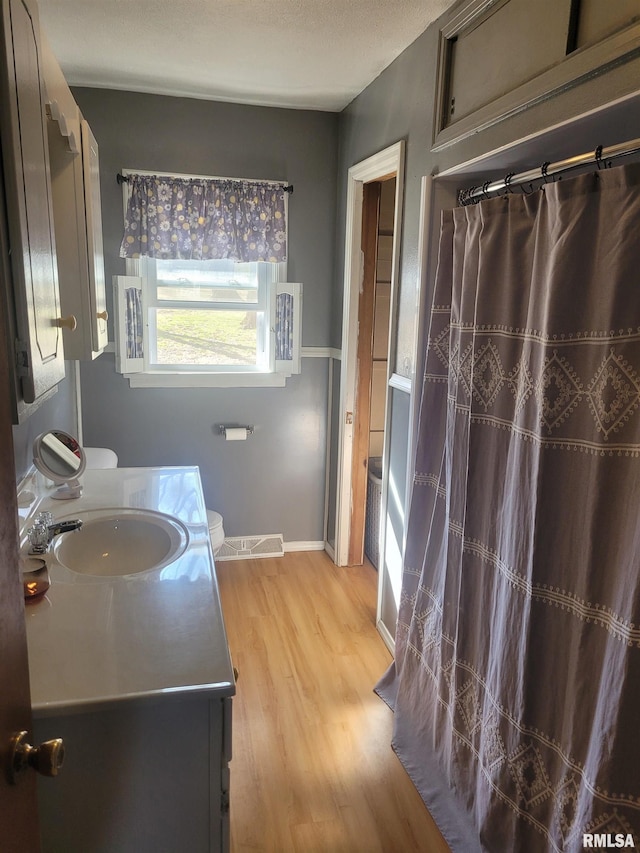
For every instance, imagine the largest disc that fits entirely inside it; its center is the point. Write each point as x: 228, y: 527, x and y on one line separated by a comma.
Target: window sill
x: 206, y: 380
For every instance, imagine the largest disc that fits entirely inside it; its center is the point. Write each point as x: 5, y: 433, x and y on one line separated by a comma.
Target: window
x: 210, y: 314
x: 204, y: 320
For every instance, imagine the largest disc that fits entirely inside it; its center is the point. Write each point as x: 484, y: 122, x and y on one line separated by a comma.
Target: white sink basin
x: 121, y: 542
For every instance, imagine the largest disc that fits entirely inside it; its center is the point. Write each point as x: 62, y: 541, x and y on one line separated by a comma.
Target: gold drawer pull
x: 69, y: 322
x: 103, y: 315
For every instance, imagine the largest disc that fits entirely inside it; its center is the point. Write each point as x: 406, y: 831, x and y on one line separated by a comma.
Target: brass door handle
x: 46, y: 759
x: 69, y: 322
x: 102, y: 315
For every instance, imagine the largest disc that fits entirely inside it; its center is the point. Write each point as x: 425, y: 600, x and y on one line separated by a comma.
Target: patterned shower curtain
x: 516, y: 679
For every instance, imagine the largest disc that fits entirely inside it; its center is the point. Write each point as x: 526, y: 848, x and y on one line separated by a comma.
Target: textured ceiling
x: 305, y: 54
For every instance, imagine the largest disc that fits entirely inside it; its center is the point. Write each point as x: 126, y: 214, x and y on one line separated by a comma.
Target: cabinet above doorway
x: 499, y: 58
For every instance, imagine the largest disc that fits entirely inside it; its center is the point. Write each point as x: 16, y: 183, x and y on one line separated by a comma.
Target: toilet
x: 100, y: 457
x: 216, y: 530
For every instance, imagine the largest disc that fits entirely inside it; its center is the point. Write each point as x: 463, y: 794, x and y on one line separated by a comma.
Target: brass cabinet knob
x: 46, y: 759
x: 69, y: 322
x: 103, y: 315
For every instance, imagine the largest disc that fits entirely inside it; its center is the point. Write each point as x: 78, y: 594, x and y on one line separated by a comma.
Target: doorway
x: 374, y: 201
x: 374, y: 314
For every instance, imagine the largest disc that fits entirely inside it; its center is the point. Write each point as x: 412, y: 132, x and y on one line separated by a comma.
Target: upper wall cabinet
x: 23, y: 136
x: 498, y: 57
x: 75, y: 181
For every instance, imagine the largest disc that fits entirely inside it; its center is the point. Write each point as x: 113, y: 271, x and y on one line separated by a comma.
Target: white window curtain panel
x: 516, y: 682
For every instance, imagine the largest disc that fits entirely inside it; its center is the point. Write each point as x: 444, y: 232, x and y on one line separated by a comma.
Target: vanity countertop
x: 98, y: 640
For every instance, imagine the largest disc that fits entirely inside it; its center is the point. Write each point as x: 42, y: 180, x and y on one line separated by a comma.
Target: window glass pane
x: 200, y: 336
x: 207, y: 281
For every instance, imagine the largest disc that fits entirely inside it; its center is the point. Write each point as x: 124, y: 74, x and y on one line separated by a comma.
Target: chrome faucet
x: 44, y: 531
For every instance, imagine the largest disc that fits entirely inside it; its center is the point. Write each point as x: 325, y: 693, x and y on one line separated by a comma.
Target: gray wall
x: 274, y: 482
x: 59, y: 411
x: 271, y: 483
x: 399, y: 105
x: 185, y: 135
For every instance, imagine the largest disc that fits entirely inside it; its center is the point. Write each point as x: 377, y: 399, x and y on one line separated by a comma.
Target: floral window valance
x: 202, y: 219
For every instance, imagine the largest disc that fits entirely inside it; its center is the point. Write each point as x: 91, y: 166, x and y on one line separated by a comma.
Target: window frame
x: 268, y: 372
x: 268, y: 275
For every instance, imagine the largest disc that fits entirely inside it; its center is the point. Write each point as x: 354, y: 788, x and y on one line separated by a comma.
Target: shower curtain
x: 516, y: 680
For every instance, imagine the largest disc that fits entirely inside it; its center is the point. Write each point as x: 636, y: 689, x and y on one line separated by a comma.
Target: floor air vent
x: 245, y: 547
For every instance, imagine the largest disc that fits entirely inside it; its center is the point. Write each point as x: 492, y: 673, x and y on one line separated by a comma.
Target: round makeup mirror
x: 59, y: 456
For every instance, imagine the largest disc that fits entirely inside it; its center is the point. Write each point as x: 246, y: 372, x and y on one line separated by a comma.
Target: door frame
x: 384, y: 164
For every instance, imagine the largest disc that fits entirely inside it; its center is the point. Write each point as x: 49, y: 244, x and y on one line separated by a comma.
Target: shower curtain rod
x: 602, y: 158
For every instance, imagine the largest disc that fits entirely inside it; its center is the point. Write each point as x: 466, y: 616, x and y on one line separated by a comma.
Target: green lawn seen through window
x: 206, y: 337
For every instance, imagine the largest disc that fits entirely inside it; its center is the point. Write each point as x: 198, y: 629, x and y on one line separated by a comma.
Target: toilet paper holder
x: 222, y: 428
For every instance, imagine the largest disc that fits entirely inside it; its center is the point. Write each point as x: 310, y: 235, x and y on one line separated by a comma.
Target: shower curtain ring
x: 485, y: 188
x: 507, y: 183
x: 467, y: 197
x: 544, y: 171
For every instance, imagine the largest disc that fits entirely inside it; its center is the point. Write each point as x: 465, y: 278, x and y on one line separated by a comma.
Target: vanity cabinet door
x: 140, y: 775
x: 23, y: 138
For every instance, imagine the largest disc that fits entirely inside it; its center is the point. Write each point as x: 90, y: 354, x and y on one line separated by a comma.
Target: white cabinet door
x: 77, y: 216
x: 23, y: 137
x: 93, y: 208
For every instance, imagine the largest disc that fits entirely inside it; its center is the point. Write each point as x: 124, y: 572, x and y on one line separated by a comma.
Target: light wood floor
x: 313, y: 770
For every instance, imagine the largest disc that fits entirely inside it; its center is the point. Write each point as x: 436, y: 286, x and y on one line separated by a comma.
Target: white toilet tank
x: 100, y: 457
x: 216, y: 530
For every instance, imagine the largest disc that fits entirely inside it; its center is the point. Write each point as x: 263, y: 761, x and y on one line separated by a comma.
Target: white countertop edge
x: 53, y: 709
